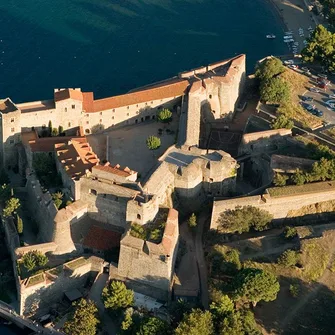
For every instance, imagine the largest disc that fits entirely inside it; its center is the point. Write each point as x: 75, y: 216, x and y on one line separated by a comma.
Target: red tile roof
x: 126, y: 172
x: 88, y: 102
x: 101, y: 239
x: 175, y: 89
x: 68, y: 93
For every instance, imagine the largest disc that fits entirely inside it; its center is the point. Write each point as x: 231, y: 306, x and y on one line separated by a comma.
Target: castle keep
x: 109, y: 197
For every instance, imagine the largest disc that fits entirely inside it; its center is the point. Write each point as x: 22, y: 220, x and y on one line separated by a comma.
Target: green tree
x: 280, y: 179
x: 275, y: 90
x: 116, y: 296
x: 178, y: 309
x: 153, y: 326
x: 58, y: 199
x: 84, y: 319
x: 19, y: 224
x: 254, y: 285
x: 223, y: 307
x: 164, y: 115
x: 11, y: 206
x: 50, y: 126
x: 269, y: 68
x: 294, y: 290
x: 290, y: 232
x: 192, y: 221
x: 282, y: 122
x: 322, y: 170
x: 298, y: 177
x: 224, y: 260
x: 60, y: 130
x: 5, y: 193
x: 41, y: 259
x: 29, y: 261
x: 196, y: 323
x: 127, y: 319
x: 54, y: 132
x: 242, y: 219
x: 289, y: 258
x: 153, y: 142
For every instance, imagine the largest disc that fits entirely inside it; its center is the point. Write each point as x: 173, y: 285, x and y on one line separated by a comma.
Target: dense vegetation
x: 153, y: 142
x: 164, y: 115
x: 34, y: 260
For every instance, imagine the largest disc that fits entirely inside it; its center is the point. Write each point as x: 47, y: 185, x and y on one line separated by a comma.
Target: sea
x: 112, y: 46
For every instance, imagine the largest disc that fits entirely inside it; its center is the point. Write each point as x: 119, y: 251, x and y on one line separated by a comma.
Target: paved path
x: 201, y: 260
x: 95, y: 295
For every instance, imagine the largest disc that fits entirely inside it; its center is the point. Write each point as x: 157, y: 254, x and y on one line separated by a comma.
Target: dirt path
x: 201, y: 260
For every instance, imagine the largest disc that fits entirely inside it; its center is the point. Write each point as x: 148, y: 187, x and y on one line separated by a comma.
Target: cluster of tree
x: 164, y: 115
x: 282, y: 122
x: 320, y: 45
x: 34, y: 260
x: 12, y: 204
x: 242, y: 219
x: 192, y: 221
x: 51, y: 131
x: 83, y: 320
x: 329, y: 11
x: 273, y: 88
x: 153, y: 142
x: 289, y: 258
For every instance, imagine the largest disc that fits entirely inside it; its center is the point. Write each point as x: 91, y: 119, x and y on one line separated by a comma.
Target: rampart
x: 279, y: 201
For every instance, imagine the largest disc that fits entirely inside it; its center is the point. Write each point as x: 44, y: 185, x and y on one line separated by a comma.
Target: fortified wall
x: 279, y: 201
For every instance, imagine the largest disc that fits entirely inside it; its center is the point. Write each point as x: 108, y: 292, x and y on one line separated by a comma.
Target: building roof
x: 288, y: 164
x: 175, y: 89
x: 88, y: 102
x: 116, y: 170
x: 101, y: 239
x: 68, y: 93
x: 76, y: 157
x: 7, y: 106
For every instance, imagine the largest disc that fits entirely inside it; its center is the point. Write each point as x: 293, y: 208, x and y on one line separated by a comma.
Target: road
x: 9, y: 314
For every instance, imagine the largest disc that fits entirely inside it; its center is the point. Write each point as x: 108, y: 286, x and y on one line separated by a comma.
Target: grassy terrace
x: 35, y: 279
x: 307, y: 188
x: 56, y: 271
x: 76, y: 263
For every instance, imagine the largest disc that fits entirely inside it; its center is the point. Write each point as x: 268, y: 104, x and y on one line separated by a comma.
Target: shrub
x: 280, y: 179
x: 224, y: 260
x: 164, y: 115
x: 290, y: 232
x: 11, y: 206
x: 60, y: 130
x: 54, y: 132
x: 153, y: 142
x: 58, y: 199
x: 294, y: 290
x: 298, y: 177
x: 275, y: 90
x: 192, y: 221
x: 19, y: 224
x: 282, y: 122
x: 289, y: 258
x: 34, y: 259
x: 269, y: 68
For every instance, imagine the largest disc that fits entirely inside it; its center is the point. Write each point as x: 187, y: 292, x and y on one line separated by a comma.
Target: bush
x: 164, y: 115
x: 269, y: 68
x: 294, y: 290
x: 192, y: 221
x: 275, y: 90
x: 282, y: 122
x: 153, y: 142
x: 54, y: 132
x: 19, y: 224
x: 289, y: 258
x: 280, y: 179
x: 290, y: 232
x: 58, y: 199
x: 225, y: 260
x: 34, y: 259
x: 298, y: 177
x: 11, y: 206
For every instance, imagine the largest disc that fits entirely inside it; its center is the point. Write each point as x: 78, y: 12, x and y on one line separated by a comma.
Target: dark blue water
x: 111, y: 46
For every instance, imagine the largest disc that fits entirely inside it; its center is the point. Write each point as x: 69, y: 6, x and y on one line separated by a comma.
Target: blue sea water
x: 111, y: 46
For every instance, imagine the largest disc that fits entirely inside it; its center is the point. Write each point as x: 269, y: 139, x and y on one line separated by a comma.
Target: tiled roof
x: 68, y: 93
x: 7, y: 106
x: 175, y: 89
x: 88, y: 102
x: 126, y: 172
x: 101, y: 239
x: 76, y: 157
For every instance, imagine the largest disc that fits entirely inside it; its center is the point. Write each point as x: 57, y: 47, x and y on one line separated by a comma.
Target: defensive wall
x: 279, y: 201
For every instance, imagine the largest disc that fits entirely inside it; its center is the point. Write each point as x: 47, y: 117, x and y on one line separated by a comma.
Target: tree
x: 29, y: 261
x: 275, y: 90
x: 153, y: 326
x: 153, y: 142
x: 241, y: 219
x: 50, y: 126
x: 5, y: 193
x: 116, y: 296
x: 280, y: 179
x: 196, y: 323
x: 60, y: 130
x: 58, y: 199
x: 19, y: 225
x: 54, y: 132
x: 192, y: 221
x: 298, y: 177
x: 127, y: 319
x: 290, y: 232
x: 164, y: 115
x: 322, y: 170
x: 225, y: 260
x: 11, y: 206
x: 178, y: 309
x: 84, y: 319
x: 223, y: 307
x: 269, y: 68
x: 254, y: 285
x: 289, y: 258
x: 282, y: 122
x: 294, y: 290
x: 41, y: 259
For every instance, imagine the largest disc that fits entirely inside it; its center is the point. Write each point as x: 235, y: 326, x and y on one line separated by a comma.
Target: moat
x: 112, y: 47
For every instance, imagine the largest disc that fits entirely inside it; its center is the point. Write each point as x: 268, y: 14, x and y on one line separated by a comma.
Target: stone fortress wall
x: 280, y: 206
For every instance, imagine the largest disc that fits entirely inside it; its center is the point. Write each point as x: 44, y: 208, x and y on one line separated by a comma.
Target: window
x: 112, y: 117
x: 86, y: 115
x: 87, y: 122
x: 12, y: 130
x: 127, y: 114
x: 73, y: 106
x: 137, y: 112
x: 69, y: 124
x: 100, y: 113
x: 12, y: 119
x: 11, y: 141
x: 136, y: 105
x: 87, y: 131
x: 93, y: 191
x: 213, y: 112
x: 65, y: 109
x: 139, y: 216
x: 127, y: 107
x: 211, y: 180
x: 113, y: 110
x: 146, y: 104
x: 100, y: 120
x: 210, y: 96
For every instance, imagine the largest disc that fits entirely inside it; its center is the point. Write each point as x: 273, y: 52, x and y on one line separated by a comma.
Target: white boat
x: 271, y: 36
x: 287, y: 36
x: 288, y: 41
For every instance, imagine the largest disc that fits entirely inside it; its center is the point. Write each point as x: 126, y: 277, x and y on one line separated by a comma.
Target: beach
x: 296, y: 18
